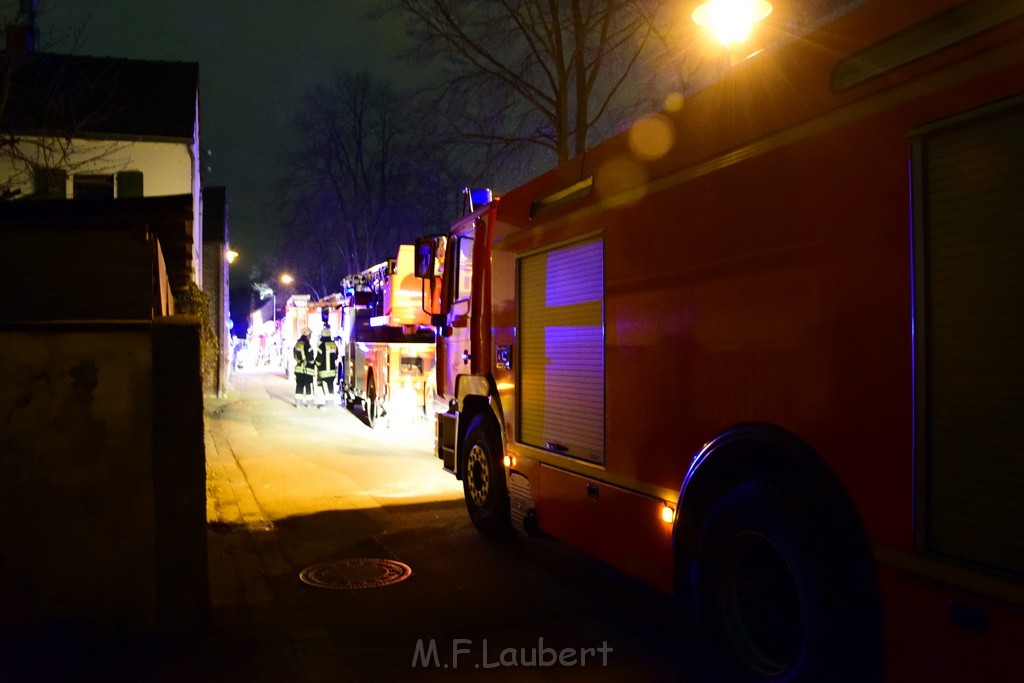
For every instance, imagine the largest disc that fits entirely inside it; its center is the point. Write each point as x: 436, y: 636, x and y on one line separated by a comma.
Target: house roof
x: 107, y: 97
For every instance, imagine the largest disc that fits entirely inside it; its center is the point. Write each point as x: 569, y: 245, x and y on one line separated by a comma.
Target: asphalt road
x: 291, y: 489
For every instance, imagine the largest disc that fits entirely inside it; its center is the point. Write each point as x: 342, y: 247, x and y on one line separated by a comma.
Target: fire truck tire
x: 483, y: 481
x: 776, y: 597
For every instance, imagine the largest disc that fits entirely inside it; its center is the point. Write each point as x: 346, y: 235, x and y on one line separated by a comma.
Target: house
x: 78, y: 127
x: 93, y: 128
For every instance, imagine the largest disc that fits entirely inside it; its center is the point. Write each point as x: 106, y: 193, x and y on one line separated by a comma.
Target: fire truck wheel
x: 776, y: 596
x: 483, y: 482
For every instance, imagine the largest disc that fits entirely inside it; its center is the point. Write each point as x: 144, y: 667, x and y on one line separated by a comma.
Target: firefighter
x: 304, y: 369
x: 326, y: 368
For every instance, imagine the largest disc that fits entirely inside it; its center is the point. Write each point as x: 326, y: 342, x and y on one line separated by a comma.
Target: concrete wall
x: 215, y: 283
x: 75, y: 440
x: 102, y: 460
x: 102, y: 479
x: 179, y: 478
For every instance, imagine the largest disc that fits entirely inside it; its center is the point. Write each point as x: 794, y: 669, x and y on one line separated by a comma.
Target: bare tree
x: 547, y: 73
x: 560, y: 75
x: 46, y: 102
x: 363, y: 181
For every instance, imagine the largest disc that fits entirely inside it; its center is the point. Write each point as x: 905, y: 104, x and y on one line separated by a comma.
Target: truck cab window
x: 464, y: 283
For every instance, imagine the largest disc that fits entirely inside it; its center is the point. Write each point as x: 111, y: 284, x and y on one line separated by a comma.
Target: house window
x: 129, y: 184
x: 94, y: 187
x: 50, y: 183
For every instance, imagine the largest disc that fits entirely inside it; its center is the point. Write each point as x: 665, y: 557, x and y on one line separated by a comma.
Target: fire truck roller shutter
x: 969, y: 246
x: 561, y: 294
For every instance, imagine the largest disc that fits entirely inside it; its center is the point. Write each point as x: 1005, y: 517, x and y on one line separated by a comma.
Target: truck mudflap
x: 447, y: 437
x: 521, y: 501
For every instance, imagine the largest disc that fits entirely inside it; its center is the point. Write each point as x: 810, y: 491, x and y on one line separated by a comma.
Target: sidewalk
x: 265, y: 624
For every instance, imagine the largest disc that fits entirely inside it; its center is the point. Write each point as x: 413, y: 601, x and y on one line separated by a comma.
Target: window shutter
x: 129, y: 184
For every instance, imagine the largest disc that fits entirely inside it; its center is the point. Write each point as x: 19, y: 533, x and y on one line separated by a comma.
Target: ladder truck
x: 388, y: 342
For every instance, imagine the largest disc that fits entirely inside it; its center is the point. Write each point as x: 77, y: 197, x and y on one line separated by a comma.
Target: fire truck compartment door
x: 561, y: 310
x: 971, y: 294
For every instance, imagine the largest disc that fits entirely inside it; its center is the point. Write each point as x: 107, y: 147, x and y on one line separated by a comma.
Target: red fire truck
x: 767, y: 351
x: 388, y: 341
x: 303, y: 312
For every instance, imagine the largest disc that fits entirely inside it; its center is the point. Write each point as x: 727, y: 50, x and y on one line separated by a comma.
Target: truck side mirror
x: 425, y: 261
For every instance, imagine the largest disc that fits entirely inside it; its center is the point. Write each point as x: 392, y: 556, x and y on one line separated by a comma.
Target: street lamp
x: 731, y: 20
x: 288, y: 279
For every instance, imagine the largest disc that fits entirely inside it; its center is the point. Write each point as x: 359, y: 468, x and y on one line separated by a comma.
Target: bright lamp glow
x: 667, y: 514
x: 287, y: 279
x: 731, y: 20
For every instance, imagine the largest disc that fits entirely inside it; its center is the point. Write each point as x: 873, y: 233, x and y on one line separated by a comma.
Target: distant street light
x: 731, y: 21
x: 287, y: 279
x: 230, y: 255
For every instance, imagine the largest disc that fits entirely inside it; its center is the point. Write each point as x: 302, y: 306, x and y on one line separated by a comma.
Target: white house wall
x: 168, y: 168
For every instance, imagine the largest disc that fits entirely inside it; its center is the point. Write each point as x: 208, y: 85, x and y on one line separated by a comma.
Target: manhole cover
x: 363, y: 572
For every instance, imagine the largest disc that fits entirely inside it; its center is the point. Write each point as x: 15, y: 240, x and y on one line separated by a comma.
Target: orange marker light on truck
x: 668, y: 514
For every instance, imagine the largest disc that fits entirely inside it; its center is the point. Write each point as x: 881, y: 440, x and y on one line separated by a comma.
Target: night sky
x: 256, y: 60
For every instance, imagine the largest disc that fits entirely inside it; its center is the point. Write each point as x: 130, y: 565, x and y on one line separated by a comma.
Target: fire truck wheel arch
x: 789, y: 511
x: 478, y: 395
